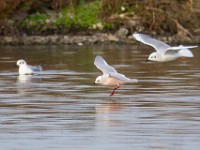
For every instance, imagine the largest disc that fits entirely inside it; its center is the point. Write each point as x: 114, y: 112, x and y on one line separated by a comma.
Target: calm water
x: 62, y: 109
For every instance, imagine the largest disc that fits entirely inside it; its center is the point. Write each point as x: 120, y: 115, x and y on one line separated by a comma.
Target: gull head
x: 21, y: 62
x: 153, y: 57
x: 98, y: 80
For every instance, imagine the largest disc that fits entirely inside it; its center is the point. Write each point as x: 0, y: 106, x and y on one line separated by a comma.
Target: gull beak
x: 147, y: 61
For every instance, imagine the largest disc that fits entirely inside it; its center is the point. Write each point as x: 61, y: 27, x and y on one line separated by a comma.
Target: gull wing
x: 101, y: 64
x: 108, y: 70
x: 36, y: 68
x: 146, y: 39
x: 119, y: 76
x: 182, y: 53
x: 171, y: 52
x: 185, y: 53
x: 180, y: 49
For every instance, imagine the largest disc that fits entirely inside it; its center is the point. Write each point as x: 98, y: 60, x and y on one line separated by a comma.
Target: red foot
x: 182, y: 58
x: 113, y: 92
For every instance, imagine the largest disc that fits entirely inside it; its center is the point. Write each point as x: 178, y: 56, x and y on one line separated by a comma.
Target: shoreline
x: 87, y: 39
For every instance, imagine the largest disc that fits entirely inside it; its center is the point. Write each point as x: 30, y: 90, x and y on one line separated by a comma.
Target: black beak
x: 147, y: 61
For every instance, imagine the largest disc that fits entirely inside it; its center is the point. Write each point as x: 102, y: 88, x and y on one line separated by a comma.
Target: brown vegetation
x: 180, y: 17
x: 159, y: 17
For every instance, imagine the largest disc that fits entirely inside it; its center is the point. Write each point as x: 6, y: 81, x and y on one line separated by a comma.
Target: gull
x: 25, y: 69
x: 110, y: 75
x: 164, y: 52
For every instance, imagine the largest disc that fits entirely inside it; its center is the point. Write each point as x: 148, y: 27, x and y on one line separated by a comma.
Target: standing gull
x: 25, y: 69
x: 110, y: 75
x: 164, y: 52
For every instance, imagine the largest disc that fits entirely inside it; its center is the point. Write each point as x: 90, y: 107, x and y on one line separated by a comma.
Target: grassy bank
x: 45, y: 17
x: 84, y: 17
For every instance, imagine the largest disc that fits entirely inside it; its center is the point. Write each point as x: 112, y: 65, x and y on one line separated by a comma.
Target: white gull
x: 164, y: 52
x: 25, y: 69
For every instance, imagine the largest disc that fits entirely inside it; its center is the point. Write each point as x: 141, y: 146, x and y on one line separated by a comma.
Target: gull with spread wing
x: 25, y: 69
x: 110, y: 75
x: 164, y: 52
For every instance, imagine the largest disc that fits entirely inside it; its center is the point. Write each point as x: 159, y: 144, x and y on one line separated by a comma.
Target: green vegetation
x: 83, y: 16
x: 44, y: 17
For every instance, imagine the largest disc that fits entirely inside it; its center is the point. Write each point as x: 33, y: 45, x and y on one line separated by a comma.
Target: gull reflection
x: 24, y: 79
x: 107, y: 115
x: 107, y: 108
x: 25, y: 83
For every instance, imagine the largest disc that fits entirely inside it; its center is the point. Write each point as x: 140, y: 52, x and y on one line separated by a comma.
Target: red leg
x: 113, y: 92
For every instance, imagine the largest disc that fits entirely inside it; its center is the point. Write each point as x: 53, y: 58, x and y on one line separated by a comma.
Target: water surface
x: 61, y: 108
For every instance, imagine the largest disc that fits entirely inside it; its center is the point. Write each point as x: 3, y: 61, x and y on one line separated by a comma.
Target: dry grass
x: 160, y: 17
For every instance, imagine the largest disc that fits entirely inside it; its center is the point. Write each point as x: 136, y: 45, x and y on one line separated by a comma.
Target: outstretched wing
x: 106, y: 69
x: 146, y: 39
x: 122, y: 77
x: 181, y: 50
x: 101, y: 64
x: 180, y: 47
x: 182, y: 53
x: 185, y: 53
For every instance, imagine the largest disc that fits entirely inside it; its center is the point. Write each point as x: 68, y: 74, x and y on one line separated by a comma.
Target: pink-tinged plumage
x: 114, y: 81
x: 110, y: 76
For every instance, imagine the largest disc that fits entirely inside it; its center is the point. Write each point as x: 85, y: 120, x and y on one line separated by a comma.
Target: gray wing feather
x: 183, y: 52
x: 180, y: 47
x: 146, y: 39
x: 36, y: 68
x: 171, y: 52
x: 176, y: 49
x: 119, y: 76
x: 101, y: 64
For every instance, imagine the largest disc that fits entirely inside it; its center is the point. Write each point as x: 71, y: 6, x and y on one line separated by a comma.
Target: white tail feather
x: 185, y: 53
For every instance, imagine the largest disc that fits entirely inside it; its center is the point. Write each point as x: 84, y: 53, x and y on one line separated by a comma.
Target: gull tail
x: 185, y: 53
x: 40, y: 68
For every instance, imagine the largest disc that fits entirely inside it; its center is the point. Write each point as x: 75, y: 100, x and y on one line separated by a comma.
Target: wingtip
x: 184, y: 47
x: 99, y: 61
x: 134, y: 80
x: 135, y: 35
x: 95, y: 59
x: 98, y: 56
x: 195, y: 46
x: 139, y: 36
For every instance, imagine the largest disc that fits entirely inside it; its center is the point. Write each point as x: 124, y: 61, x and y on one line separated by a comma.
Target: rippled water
x: 62, y: 109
